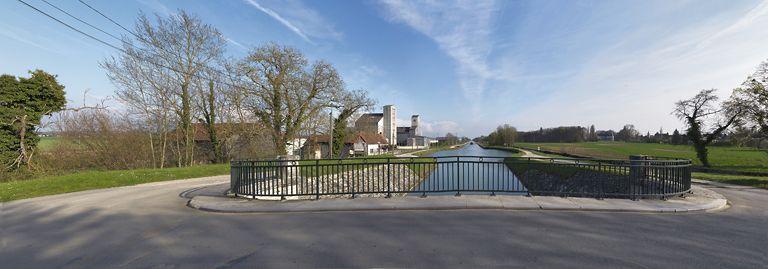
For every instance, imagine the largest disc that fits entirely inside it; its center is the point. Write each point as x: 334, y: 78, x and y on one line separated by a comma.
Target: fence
x: 644, y: 178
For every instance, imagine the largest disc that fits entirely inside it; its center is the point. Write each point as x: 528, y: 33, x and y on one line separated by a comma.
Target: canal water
x: 472, y: 168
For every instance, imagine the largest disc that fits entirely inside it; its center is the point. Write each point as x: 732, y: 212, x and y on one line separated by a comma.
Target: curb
x: 703, y: 200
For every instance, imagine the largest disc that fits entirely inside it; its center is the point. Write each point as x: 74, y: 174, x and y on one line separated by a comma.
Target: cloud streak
x: 280, y: 19
x: 237, y: 44
x: 461, y: 29
x: 303, y: 21
x: 639, y: 85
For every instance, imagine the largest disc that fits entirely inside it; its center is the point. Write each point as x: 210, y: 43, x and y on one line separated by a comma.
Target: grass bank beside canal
x: 726, y: 158
x: 514, y: 151
x: 89, y: 180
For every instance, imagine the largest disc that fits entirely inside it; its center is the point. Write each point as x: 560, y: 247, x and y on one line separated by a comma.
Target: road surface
x: 150, y: 226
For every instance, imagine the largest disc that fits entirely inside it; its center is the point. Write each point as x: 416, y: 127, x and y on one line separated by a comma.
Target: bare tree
x: 703, y: 110
x: 160, y: 66
x: 283, y: 91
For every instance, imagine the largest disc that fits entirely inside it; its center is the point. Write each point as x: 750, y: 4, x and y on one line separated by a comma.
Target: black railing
x: 646, y: 178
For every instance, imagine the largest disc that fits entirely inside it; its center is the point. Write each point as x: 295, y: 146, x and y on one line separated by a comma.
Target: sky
x: 463, y: 66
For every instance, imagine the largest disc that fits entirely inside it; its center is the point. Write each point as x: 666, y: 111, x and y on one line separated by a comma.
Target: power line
x: 71, y: 27
x: 108, y: 18
x: 140, y: 37
x: 117, y: 48
x: 82, y: 21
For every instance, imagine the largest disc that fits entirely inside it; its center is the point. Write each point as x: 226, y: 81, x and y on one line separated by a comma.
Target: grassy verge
x: 511, y: 150
x: 431, y: 150
x: 752, y: 181
x: 724, y: 158
x: 89, y: 180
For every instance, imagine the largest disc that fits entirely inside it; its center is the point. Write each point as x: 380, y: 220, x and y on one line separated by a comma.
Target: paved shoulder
x: 701, y: 199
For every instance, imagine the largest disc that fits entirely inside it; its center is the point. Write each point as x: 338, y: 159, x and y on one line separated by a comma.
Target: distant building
x: 606, y: 136
x: 293, y: 147
x: 367, y: 144
x: 390, y: 124
x: 359, y: 144
x: 384, y: 124
x: 318, y: 147
x: 410, y: 137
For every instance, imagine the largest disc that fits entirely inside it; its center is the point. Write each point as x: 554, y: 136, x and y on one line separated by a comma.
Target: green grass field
x: 725, y: 158
x: 89, y: 180
x: 759, y: 182
x: 47, y: 143
x: 434, y: 149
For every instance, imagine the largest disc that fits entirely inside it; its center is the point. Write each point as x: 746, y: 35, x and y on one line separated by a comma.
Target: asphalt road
x: 150, y: 226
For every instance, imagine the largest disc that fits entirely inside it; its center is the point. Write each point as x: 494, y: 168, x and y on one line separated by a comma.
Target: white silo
x: 390, y: 124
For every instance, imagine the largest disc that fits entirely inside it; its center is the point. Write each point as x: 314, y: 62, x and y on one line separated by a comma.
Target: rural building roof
x: 370, y: 117
x: 371, y: 138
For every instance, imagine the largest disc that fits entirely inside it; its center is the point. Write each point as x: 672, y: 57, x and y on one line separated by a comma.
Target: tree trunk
x: 152, y: 149
x: 186, y: 123
x: 211, y: 122
x: 702, y: 154
x: 23, y: 159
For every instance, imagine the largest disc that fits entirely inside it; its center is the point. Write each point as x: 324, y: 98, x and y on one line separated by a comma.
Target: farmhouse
x: 359, y: 144
x: 605, y: 135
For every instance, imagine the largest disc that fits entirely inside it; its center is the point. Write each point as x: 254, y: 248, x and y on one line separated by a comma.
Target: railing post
x: 232, y: 179
x: 601, y: 192
x: 389, y: 178
x: 317, y: 179
x: 458, y: 177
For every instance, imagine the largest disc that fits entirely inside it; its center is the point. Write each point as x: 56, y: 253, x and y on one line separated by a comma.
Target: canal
x: 473, y: 168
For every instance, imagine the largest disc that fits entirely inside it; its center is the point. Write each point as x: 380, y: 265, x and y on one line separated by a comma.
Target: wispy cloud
x: 461, y: 29
x: 298, y: 18
x: 237, y: 44
x: 157, y: 6
x: 18, y: 35
x: 280, y: 19
x: 638, y: 83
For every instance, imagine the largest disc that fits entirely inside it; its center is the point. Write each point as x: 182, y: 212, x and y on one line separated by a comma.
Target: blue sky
x: 464, y: 66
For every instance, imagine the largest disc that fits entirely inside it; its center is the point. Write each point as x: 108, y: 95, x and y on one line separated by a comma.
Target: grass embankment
x: 434, y: 149
x: 89, y: 180
x: 513, y: 151
x: 757, y: 182
x: 722, y: 158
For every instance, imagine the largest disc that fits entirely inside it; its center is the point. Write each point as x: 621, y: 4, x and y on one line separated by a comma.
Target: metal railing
x: 646, y: 178
x: 603, y: 178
